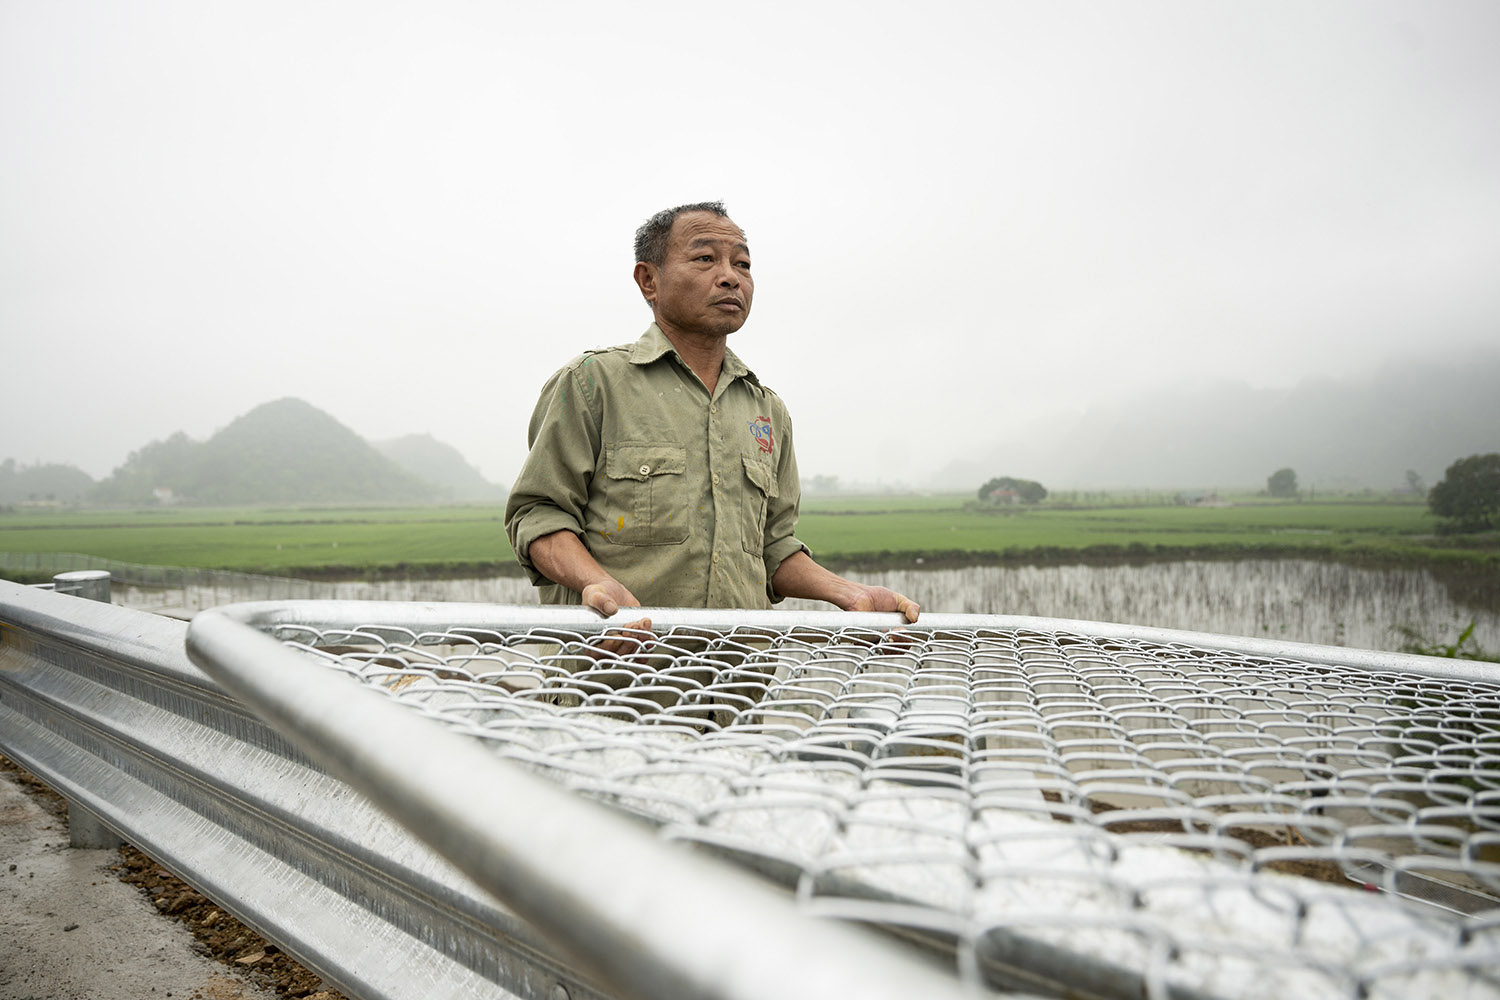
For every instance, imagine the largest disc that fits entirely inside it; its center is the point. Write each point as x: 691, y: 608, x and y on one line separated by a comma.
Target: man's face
x: 704, y: 287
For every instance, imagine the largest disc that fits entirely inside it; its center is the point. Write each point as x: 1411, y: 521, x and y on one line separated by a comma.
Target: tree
x: 1283, y: 483
x: 1469, y: 493
x: 171, y: 463
x: 1414, y: 481
x: 1025, y: 490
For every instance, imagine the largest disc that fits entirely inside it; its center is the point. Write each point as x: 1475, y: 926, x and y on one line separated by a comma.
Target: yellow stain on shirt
x: 620, y: 524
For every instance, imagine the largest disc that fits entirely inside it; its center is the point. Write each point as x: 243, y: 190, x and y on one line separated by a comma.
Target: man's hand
x: 608, y: 596
x: 638, y: 640
x: 864, y: 598
x: 561, y: 557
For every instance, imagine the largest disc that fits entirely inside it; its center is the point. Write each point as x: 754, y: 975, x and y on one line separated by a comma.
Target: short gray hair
x: 651, y: 238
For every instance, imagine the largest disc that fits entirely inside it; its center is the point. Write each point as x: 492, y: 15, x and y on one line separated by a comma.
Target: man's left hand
x: 866, y: 598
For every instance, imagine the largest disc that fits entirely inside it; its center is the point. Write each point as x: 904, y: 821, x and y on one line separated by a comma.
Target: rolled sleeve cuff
x: 776, y: 553
x: 537, y: 523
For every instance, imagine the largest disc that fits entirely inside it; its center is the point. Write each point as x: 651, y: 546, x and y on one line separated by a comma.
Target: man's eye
x: 706, y: 256
x: 744, y: 263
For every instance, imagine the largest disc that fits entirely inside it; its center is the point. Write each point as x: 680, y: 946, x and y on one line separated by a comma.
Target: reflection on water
x: 1301, y: 600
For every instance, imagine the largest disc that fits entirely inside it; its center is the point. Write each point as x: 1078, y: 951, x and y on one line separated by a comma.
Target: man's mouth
x: 732, y: 303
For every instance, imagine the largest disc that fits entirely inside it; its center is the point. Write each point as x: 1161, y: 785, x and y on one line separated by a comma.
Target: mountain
x: 441, y: 464
x: 1338, y: 434
x: 286, y: 451
x: 42, y: 483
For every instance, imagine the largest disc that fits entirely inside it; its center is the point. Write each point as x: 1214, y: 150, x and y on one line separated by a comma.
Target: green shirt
x: 687, y: 500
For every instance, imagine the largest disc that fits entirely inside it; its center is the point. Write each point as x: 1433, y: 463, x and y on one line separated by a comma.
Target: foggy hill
x: 441, y: 464
x: 42, y: 483
x: 1335, y: 434
x: 286, y: 451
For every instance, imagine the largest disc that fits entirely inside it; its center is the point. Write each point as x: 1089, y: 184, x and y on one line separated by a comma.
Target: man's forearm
x: 799, y: 576
x: 563, y: 558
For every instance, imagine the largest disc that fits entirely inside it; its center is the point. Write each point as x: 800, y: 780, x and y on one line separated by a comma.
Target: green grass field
x: 276, y: 541
x: 324, y: 541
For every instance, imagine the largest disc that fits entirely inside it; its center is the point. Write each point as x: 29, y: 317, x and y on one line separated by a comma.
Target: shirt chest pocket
x: 645, y: 499
x: 759, y: 492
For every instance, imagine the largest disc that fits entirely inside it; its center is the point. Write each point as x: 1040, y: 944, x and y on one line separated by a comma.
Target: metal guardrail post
x: 87, y: 831
x: 89, y: 584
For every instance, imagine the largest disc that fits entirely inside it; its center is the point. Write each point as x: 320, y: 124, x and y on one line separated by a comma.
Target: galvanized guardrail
x: 1069, y: 807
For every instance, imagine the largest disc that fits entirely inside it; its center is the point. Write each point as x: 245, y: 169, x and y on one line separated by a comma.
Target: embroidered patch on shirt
x: 761, y: 428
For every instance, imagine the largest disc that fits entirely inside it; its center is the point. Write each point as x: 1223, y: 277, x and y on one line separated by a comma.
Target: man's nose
x: 728, y: 278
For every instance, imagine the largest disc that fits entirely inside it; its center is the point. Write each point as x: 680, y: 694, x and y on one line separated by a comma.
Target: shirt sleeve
x: 552, y: 490
x: 782, y: 510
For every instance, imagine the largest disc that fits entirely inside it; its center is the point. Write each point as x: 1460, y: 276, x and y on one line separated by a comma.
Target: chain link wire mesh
x: 1126, y: 817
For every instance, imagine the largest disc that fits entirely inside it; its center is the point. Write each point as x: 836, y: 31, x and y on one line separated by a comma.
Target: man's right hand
x: 561, y: 557
x: 608, y: 596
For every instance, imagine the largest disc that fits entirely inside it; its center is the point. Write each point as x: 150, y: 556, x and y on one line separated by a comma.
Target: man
x: 662, y: 472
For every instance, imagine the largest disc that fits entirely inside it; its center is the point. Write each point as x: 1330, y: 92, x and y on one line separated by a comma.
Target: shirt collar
x: 654, y: 345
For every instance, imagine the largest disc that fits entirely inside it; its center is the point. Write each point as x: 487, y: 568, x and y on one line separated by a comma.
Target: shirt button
x: 713, y: 409
x: 716, y: 479
x: 645, y: 470
x: 716, y: 557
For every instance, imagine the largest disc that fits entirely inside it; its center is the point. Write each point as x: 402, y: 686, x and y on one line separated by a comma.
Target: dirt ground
x: 217, y: 934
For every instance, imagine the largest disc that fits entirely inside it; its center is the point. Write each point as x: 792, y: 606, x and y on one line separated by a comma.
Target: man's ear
x: 645, y: 280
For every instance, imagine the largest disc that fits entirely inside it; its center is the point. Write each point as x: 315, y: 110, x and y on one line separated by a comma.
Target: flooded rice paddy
x: 1299, y: 600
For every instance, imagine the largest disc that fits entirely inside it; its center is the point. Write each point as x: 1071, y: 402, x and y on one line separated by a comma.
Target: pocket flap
x: 642, y: 461
x: 762, y: 475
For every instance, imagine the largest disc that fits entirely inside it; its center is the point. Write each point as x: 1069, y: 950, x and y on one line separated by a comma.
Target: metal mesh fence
x: 1124, y: 816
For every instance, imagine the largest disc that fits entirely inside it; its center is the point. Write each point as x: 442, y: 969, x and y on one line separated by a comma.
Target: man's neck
x: 704, y: 353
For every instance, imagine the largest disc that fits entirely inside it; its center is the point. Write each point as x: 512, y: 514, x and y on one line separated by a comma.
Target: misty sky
x: 964, y: 217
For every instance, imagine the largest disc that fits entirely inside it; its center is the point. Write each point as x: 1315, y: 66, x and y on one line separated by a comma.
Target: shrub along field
x: 458, y: 540
x: 1347, y: 529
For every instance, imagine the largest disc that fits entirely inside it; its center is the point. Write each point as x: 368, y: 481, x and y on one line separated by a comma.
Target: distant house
x: 1004, y: 496
x: 1206, y: 498
x: 165, y: 496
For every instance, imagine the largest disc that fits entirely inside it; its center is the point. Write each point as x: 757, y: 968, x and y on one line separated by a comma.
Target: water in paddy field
x: 1300, y: 600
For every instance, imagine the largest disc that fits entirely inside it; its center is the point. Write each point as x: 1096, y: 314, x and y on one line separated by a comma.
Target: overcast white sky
x: 962, y: 215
